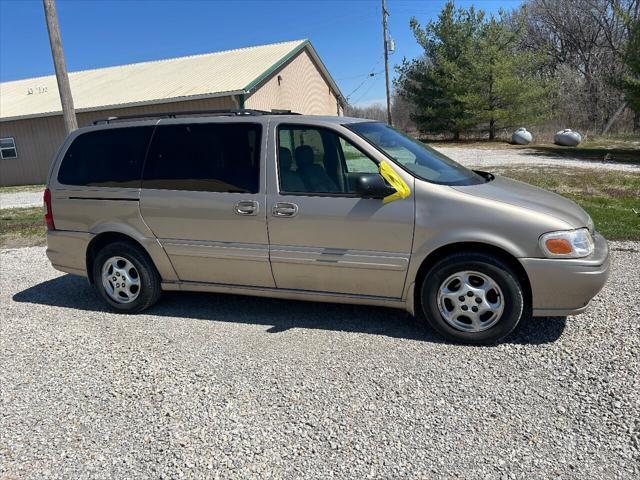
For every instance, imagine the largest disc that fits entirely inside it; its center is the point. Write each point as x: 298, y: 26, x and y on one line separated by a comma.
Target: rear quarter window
x: 106, y: 158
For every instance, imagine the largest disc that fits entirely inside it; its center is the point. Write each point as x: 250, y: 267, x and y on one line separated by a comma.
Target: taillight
x: 48, y: 212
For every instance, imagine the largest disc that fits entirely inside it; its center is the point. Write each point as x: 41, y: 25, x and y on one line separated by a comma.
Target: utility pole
x: 385, y: 14
x: 64, y: 89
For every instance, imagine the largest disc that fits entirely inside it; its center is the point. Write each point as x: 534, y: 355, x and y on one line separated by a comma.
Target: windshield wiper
x: 489, y: 177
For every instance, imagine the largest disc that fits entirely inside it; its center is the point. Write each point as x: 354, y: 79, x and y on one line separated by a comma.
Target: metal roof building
x: 287, y: 76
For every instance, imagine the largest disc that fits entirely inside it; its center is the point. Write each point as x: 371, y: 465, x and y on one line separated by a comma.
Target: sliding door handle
x: 246, y: 207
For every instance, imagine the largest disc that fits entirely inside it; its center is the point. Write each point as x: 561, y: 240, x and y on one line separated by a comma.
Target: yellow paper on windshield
x: 389, y: 174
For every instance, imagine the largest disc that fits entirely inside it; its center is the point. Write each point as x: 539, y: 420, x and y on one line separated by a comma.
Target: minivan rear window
x: 106, y: 158
x: 206, y: 157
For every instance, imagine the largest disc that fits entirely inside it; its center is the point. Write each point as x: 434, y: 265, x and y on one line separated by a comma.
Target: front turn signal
x: 559, y: 246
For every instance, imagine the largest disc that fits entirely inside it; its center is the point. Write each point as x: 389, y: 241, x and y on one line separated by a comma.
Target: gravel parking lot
x: 227, y: 386
x: 20, y: 199
x: 508, y: 157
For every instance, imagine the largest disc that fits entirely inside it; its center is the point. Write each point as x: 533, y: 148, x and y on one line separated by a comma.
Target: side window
x: 106, y: 158
x: 318, y: 160
x: 356, y: 161
x: 8, y: 148
x: 205, y: 157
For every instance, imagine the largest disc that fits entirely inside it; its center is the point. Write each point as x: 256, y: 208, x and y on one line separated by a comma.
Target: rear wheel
x: 472, y: 298
x: 125, y: 277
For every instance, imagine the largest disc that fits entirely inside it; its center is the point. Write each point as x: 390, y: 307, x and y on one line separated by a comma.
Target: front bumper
x: 566, y: 286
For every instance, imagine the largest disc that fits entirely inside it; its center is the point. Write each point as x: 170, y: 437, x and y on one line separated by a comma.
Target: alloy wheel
x: 120, y: 279
x: 470, y: 301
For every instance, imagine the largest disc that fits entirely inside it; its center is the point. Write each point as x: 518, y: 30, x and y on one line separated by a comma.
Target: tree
x: 434, y: 82
x: 631, y: 81
x: 584, y: 41
x: 372, y: 112
x: 402, y: 113
x: 472, y: 75
x: 504, y: 87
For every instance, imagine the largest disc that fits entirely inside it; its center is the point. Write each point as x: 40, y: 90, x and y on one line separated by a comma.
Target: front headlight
x: 567, y: 243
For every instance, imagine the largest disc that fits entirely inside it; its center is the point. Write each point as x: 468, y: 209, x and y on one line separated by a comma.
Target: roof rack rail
x: 194, y: 113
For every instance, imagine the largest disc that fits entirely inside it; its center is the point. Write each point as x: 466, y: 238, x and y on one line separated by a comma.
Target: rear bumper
x: 566, y: 286
x: 67, y: 251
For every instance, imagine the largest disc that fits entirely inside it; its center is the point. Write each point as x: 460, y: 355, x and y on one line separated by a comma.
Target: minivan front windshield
x: 424, y: 162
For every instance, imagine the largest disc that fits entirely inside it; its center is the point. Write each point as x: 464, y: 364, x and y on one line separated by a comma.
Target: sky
x: 98, y: 33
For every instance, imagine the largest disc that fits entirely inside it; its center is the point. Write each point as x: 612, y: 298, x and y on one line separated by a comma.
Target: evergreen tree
x: 472, y: 75
x: 434, y: 82
x: 504, y: 87
x: 631, y: 81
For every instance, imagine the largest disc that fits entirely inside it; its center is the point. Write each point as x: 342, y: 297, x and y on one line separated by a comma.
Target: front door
x: 203, y: 198
x: 323, y: 236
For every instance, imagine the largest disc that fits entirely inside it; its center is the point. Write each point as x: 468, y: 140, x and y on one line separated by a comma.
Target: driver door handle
x: 284, y: 209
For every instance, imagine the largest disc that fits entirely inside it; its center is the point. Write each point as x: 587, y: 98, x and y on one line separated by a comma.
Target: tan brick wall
x: 301, y: 88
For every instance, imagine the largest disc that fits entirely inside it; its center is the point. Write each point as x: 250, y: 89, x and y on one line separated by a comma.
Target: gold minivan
x: 330, y: 209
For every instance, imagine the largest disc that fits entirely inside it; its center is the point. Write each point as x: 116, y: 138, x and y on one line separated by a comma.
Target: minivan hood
x: 521, y: 194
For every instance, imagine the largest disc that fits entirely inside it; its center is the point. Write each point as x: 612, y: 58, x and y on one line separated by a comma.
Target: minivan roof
x: 183, y: 117
x: 330, y: 119
x: 226, y: 113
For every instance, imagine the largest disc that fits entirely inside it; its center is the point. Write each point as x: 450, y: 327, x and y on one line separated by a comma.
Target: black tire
x: 149, y: 289
x: 514, y: 304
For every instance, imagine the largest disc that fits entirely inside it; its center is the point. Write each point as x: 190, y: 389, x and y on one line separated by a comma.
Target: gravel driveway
x: 20, y: 199
x: 485, y: 157
x: 210, y: 385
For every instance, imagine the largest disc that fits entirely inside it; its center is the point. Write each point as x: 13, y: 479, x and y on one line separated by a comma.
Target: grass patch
x: 22, y: 188
x: 21, y: 227
x: 608, y: 197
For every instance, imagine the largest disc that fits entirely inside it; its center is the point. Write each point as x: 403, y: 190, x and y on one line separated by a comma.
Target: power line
x: 372, y: 73
x: 369, y: 76
x: 364, y: 93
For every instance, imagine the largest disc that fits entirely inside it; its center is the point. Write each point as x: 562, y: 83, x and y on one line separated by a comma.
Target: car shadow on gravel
x: 69, y: 291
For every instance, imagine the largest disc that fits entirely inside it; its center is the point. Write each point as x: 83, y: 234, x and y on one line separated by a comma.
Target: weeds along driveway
x: 205, y: 385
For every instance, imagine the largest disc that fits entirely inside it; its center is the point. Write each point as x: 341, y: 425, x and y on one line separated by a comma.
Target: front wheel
x: 472, y: 298
x: 125, y: 277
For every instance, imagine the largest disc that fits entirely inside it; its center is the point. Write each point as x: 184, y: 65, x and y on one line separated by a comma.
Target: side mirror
x: 372, y: 185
